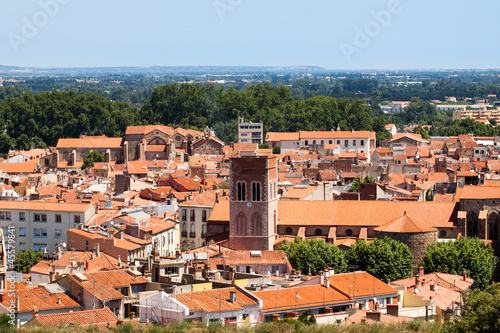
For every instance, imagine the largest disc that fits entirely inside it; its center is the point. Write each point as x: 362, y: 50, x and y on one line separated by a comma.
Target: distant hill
x: 9, y: 70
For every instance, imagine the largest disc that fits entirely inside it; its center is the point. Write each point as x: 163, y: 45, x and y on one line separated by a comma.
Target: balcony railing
x: 192, y: 234
x: 184, y: 234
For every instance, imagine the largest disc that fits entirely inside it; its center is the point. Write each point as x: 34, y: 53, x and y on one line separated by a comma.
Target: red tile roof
x: 90, y: 142
x: 405, y: 224
x: 100, y: 318
x: 215, y: 300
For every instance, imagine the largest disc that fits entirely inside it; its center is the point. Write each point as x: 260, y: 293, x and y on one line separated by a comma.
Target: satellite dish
x: 137, y: 264
x: 64, y: 244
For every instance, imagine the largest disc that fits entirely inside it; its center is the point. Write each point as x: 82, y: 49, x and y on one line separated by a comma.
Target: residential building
x: 250, y: 132
x: 101, y: 318
x: 42, y: 225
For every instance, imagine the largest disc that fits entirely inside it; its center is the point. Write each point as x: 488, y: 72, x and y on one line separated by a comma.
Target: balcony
x: 184, y: 234
x: 203, y: 235
x: 192, y: 234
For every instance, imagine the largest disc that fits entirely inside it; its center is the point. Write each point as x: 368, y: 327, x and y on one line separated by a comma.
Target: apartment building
x: 41, y: 225
x: 193, y: 215
x: 250, y: 132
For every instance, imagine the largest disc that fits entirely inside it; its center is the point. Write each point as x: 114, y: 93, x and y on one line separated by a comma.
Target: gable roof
x: 143, y: 130
x: 215, y: 300
x: 39, y: 297
x: 90, y: 142
x: 99, y: 318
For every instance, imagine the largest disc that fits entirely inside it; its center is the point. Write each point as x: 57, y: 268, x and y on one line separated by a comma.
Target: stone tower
x: 253, y: 201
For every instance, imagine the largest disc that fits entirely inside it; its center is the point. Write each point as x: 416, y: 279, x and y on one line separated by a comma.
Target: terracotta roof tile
x: 90, y: 142
x: 100, y: 318
x: 215, y: 300
x: 405, y: 224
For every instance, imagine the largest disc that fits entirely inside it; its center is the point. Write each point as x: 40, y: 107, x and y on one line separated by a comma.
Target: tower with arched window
x: 253, y: 201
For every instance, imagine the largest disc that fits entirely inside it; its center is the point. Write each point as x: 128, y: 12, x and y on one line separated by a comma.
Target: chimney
x: 454, y: 282
x: 35, y: 311
x: 119, y: 261
x: 132, y: 315
x: 373, y: 315
x: 464, y: 274
x: 361, y: 305
x: 217, y: 196
x: 327, y: 282
x: 393, y: 310
x: 322, y: 279
x: 59, y: 300
x: 1, y: 297
x: 87, y: 265
x: 51, y: 276
x: 97, y: 249
x: 421, y: 271
x: 376, y: 306
x: 18, y: 303
x: 232, y: 296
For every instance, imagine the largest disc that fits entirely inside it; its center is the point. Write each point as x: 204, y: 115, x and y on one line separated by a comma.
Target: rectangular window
x: 39, y: 247
x: 22, y: 216
x: 44, y: 217
x: 5, y: 216
x: 362, y: 142
x: 184, y: 215
x: 241, y: 191
x: 37, y: 233
x: 307, y: 143
x: 77, y: 218
x: 330, y: 142
x: 255, y: 191
x: 22, y: 246
x: 346, y: 142
x: 36, y: 217
x: 353, y: 142
x: 203, y: 216
x: 58, y: 233
x: 338, y: 142
x: 191, y: 217
x: 58, y: 218
x: 22, y: 232
x: 2, y: 215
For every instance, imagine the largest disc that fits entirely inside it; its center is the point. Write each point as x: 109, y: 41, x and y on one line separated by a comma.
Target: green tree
x: 263, y: 146
x: 5, y: 321
x: 480, y: 313
x: 465, y: 254
x: 315, y: 254
x: 26, y: 259
x: 276, y: 150
x: 5, y: 143
x: 422, y: 131
x: 358, y: 180
x: 92, y: 157
x: 23, y: 142
x: 383, y: 258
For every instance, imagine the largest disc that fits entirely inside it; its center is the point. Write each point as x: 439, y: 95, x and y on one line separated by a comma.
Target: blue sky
x: 347, y: 34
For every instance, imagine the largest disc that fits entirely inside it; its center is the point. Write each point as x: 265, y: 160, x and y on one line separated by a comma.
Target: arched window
x: 288, y: 231
x: 493, y: 226
x: 318, y: 232
x: 349, y: 232
x: 256, y: 225
x: 157, y: 141
x: 241, y: 191
x: 241, y: 225
x: 255, y: 191
x: 472, y: 224
x: 443, y: 234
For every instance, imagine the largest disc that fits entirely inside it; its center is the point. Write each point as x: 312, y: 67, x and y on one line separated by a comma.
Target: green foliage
x: 92, y: 157
x: 481, y: 312
x: 5, y: 321
x: 26, y: 259
x: 307, y: 318
x: 358, y: 180
x: 6, y: 143
x: 465, y: 254
x: 224, y: 185
x: 263, y: 146
x: 315, y: 254
x: 422, y: 131
x: 276, y: 150
x: 383, y: 258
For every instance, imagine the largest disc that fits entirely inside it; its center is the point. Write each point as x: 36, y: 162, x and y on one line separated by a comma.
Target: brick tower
x: 253, y: 201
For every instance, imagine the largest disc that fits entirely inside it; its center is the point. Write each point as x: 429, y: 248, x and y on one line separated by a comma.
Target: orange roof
x: 137, y: 167
x: 156, y: 148
x: 90, y: 142
x: 44, y: 206
x: 364, y: 213
x: 25, y: 167
x: 282, y: 136
x: 245, y: 147
x: 298, y: 193
x: 480, y: 192
x: 99, y: 318
x: 334, y: 134
x: 240, y: 258
x: 39, y: 297
x: 364, y: 284
x: 405, y: 224
x: 143, y: 130
x: 299, y: 297
x: 215, y: 300
x: 205, y: 199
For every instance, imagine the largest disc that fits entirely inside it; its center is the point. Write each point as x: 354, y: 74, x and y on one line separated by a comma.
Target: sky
x: 334, y: 34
